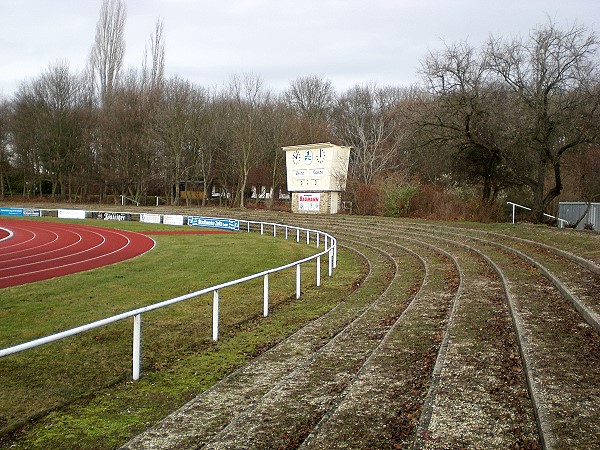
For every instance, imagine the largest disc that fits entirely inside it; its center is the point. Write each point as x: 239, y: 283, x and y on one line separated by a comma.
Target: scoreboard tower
x: 316, y: 176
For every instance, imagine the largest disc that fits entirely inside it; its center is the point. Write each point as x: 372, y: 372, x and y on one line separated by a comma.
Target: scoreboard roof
x: 311, y: 146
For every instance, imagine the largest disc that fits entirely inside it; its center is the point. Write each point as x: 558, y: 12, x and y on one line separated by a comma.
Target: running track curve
x: 33, y: 251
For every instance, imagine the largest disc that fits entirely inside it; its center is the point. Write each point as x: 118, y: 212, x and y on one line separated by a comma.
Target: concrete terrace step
x: 227, y: 405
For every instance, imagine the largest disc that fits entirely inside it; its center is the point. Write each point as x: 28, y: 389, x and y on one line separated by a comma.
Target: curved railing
x: 329, y: 248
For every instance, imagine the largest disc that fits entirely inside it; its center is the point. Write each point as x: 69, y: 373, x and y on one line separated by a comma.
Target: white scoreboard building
x: 316, y: 176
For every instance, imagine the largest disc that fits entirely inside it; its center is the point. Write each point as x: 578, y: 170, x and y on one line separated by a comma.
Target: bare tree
x: 552, y: 77
x: 221, y: 125
x: 584, y: 168
x: 466, y: 119
x: 589, y: 173
x: 509, y: 112
x: 366, y: 119
x: 50, y: 124
x: 4, y: 153
x: 248, y: 96
x: 209, y: 138
x: 108, y: 51
x: 311, y: 98
x: 154, y: 71
x: 176, y: 130
x: 127, y: 159
x: 281, y: 131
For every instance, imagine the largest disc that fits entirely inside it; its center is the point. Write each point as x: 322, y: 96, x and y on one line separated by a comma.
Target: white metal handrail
x: 515, y: 205
x: 124, y: 197
x: 329, y: 248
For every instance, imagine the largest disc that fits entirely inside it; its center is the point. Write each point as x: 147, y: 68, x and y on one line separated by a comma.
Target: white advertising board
x: 309, y: 202
x: 149, y: 218
x: 71, y: 214
x: 173, y: 219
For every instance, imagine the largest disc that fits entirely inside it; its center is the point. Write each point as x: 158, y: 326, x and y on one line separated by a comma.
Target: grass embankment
x: 77, y: 393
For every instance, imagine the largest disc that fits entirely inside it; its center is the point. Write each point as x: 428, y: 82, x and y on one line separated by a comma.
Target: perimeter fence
x: 320, y: 239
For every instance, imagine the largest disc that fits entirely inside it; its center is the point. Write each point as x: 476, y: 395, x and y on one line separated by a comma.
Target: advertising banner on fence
x: 173, y: 219
x: 149, y: 218
x: 309, y: 202
x: 119, y: 217
x: 11, y: 211
x: 71, y: 214
x: 20, y: 212
x: 211, y: 222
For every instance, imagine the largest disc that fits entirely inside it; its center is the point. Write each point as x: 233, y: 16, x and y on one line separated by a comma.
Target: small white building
x: 316, y: 176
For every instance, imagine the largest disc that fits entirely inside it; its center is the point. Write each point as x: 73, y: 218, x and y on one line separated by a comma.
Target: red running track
x: 32, y: 250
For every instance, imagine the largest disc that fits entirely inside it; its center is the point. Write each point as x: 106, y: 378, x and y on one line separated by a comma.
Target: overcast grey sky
x: 207, y: 41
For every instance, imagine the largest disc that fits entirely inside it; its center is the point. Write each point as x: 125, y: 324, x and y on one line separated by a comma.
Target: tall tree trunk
x: 538, y: 207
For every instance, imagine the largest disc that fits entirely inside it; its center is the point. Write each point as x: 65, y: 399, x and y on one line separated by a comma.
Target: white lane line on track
x: 61, y: 257
x: 19, y: 246
x: 18, y: 243
x: 83, y: 261
x: 36, y: 234
x: 10, y: 234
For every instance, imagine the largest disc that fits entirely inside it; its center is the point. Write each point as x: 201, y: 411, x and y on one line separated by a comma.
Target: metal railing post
x: 297, y: 281
x: 318, y: 271
x: 307, y: 237
x: 215, y: 318
x: 137, y: 346
x: 262, y: 229
x: 330, y: 256
x: 334, y: 254
x: 297, y: 234
x: 266, y: 295
x: 318, y: 235
x: 274, y: 230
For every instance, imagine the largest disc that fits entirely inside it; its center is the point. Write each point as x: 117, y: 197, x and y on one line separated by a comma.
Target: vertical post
x: 297, y: 281
x: 137, y: 346
x: 262, y: 229
x: 513, y: 213
x: 334, y: 254
x: 318, y: 235
x: 286, y: 232
x: 248, y: 224
x: 330, y: 255
x: 274, y: 230
x: 307, y: 237
x: 215, y: 318
x: 297, y: 234
x: 318, y: 271
x: 157, y: 200
x: 266, y: 296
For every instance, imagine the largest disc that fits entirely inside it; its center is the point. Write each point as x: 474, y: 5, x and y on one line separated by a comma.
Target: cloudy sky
x: 207, y: 41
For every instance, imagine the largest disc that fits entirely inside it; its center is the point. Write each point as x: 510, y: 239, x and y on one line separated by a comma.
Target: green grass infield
x: 78, y: 392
